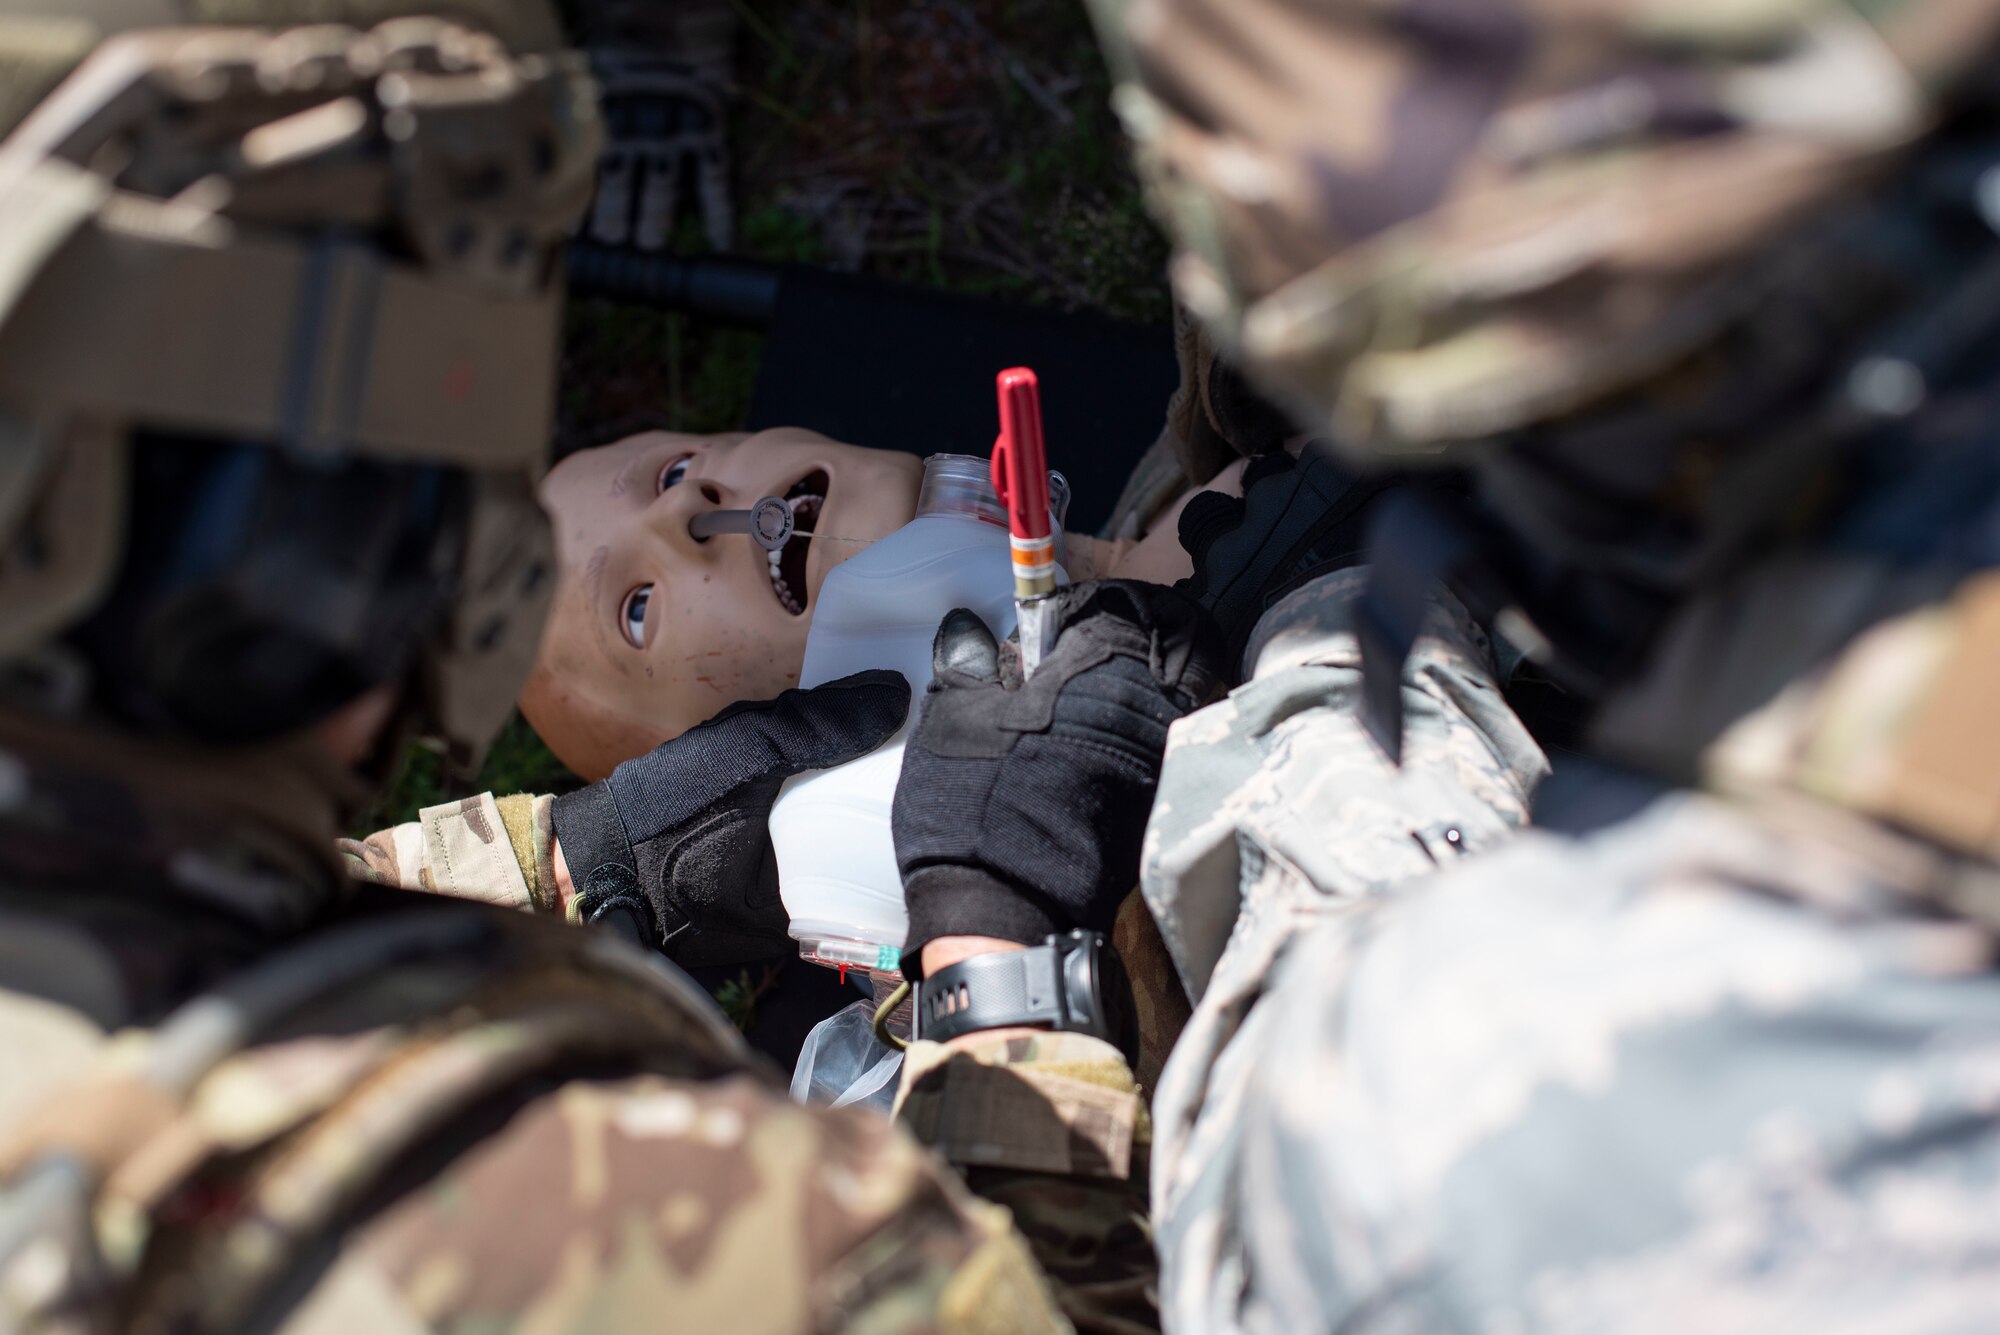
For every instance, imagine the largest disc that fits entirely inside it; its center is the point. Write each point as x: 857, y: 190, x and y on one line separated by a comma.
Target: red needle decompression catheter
x: 1021, y: 478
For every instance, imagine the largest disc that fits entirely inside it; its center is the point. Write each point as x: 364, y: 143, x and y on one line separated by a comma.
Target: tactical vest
x: 184, y: 1182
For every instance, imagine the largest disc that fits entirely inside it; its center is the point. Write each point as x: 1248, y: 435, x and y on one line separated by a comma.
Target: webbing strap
x: 267, y: 340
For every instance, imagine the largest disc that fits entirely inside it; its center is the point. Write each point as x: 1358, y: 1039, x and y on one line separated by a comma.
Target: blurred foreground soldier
x: 1704, y: 297
x: 277, y: 315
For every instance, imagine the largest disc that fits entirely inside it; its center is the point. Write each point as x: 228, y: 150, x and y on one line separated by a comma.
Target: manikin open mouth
x: 788, y: 563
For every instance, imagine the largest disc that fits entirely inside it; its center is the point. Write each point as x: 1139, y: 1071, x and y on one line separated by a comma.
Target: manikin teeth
x: 778, y: 584
x: 805, y: 508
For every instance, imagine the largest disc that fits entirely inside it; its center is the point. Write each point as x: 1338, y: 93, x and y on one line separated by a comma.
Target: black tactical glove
x: 1021, y: 806
x: 675, y: 846
x: 663, y: 70
x: 1296, y: 520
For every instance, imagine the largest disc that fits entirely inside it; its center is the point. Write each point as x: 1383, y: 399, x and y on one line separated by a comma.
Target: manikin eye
x: 672, y: 474
x: 633, y: 616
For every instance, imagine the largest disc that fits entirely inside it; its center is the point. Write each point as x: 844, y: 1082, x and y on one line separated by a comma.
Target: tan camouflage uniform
x: 1720, y: 1056
x: 1053, y: 1128
x: 520, y: 1126
x: 495, y: 850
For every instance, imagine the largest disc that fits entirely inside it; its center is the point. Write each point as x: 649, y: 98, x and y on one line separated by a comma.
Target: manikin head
x: 653, y: 629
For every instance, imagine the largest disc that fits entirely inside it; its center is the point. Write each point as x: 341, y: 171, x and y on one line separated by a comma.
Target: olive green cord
x: 885, y: 1010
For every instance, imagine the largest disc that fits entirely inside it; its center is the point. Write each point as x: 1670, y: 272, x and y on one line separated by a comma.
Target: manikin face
x: 654, y: 630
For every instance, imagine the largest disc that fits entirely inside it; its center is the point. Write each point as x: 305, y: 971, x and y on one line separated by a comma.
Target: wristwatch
x: 1073, y: 983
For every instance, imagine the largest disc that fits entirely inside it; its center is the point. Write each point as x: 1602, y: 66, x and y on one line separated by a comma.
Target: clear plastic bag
x: 843, y: 1064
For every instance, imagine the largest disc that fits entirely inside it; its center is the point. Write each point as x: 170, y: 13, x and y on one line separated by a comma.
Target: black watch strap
x: 1073, y: 983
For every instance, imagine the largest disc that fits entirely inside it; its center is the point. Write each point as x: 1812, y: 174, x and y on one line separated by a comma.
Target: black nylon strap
x: 598, y: 851
x: 1071, y: 982
x: 1008, y: 987
x: 1412, y: 548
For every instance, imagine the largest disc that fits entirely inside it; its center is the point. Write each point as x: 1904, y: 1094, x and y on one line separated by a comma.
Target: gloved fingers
x: 611, y: 212
x: 754, y: 743
x: 1158, y: 628
x: 664, y: 118
x: 718, y: 205
x: 1207, y: 516
x: 1266, y: 466
x: 1210, y: 516
x: 679, y: 836
x: 1120, y: 598
x: 1127, y: 615
x: 659, y: 199
x: 1297, y: 520
x: 964, y: 653
x: 840, y: 720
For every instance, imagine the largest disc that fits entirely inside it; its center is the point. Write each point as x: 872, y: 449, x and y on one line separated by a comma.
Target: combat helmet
x: 1426, y: 224
x: 279, y: 297
x: 1699, y: 295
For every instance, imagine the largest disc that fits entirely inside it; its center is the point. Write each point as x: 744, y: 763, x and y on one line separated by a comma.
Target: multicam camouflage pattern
x: 1053, y: 1127
x: 241, y: 1092
x: 1868, y: 686
x: 1677, y: 1060
x: 1276, y: 813
x: 495, y: 850
x: 1696, y: 1071
x: 1426, y: 221
x: 535, y: 1124
x: 705, y: 1206
x: 260, y: 137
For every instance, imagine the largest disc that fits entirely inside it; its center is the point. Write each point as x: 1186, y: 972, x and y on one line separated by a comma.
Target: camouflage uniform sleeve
x: 654, y: 1203
x: 495, y: 850
x: 1278, y: 812
x: 1282, y: 778
x: 1054, y: 1128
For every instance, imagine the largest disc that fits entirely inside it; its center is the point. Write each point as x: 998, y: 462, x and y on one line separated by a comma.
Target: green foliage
x: 739, y: 996
x: 517, y: 763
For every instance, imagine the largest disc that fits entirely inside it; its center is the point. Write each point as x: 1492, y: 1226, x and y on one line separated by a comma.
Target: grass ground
x: 965, y: 144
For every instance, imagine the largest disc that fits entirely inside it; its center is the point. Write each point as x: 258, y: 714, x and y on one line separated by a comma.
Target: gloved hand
x: 1021, y: 806
x: 662, y: 70
x: 676, y: 846
x: 1296, y: 520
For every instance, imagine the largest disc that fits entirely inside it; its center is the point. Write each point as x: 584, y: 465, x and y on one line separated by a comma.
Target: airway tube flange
x: 769, y: 523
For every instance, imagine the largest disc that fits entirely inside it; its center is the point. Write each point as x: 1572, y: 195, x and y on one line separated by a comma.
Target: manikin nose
x: 769, y: 523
